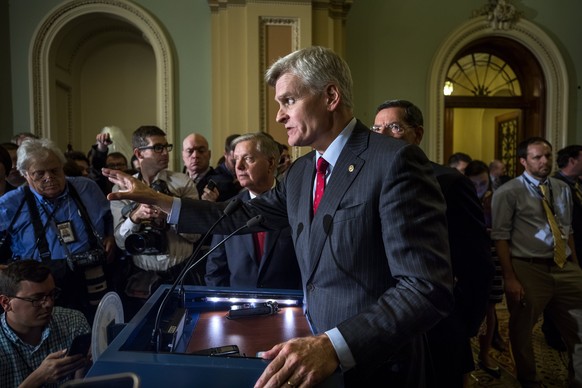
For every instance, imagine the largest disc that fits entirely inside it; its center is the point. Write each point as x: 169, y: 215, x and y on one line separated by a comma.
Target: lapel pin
x: 351, y: 168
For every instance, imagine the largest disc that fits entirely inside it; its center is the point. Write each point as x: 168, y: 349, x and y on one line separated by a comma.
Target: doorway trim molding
x: 529, y: 35
x: 41, y: 92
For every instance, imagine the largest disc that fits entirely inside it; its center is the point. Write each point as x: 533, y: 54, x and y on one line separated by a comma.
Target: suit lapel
x: 248, y: 240
x: 347, y: 168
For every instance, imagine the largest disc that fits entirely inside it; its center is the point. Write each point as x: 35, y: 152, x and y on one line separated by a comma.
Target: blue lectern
x: 195, y: 320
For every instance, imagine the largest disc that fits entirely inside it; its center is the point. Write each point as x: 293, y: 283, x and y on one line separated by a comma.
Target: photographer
x: 158, y: 251
x: 65, y: 222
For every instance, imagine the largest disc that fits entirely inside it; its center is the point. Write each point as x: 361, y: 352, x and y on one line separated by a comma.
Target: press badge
x: 66, y: 231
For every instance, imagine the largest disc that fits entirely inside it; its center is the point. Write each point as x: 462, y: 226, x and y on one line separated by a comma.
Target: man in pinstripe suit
x: 374, y: 257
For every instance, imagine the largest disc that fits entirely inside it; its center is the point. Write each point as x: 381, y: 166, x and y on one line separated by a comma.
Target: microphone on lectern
x: 256, y: 220
x: 156, y: 335
x: 232, y: 206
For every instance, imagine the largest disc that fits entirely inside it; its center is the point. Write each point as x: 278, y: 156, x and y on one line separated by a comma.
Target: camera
x: 152, y: 239
x: 90, y: 258
x: 91, y: 262
x: 149, y: 241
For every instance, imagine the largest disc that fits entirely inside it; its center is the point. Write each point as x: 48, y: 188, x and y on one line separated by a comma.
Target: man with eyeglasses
x: 34, y: 333
x: 135, y: 223
x: 449, y: 340
x: 61, y: 221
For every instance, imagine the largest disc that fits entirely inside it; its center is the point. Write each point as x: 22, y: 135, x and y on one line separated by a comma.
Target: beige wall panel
x: 125, y: 98
x: 239, y: 62
x: 277, y: 43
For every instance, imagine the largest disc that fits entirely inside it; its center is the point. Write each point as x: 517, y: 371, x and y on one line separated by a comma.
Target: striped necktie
x: 559, y: 242
x: 578, y: 191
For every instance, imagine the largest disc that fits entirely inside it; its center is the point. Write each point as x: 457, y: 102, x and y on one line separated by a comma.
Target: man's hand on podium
x: 299, y: 362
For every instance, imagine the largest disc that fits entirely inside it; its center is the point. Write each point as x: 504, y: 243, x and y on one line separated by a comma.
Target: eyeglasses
x: 159, y: 148
x: 394, y: 127
x: 40, y: 300
x: 39, y: 174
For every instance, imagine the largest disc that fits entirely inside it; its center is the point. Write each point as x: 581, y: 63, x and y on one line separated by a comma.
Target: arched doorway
x: 548, y: 119
x: 497, y: 93
x: 83, y: 46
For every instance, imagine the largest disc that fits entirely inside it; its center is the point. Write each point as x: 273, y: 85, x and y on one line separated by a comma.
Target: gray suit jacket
x: 375, y: 258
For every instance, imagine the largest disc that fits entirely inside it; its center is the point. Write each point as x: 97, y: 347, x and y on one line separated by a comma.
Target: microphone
x: 256, y: 220
x: 232, y: 206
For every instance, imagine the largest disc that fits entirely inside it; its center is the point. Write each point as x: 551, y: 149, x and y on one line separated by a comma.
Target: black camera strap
x: 94, y: 238
x: 39, y: 229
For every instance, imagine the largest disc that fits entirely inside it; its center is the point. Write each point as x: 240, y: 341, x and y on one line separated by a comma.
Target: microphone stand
x: 232, y: 206
x: 256, y: 220
x: 156, y: 337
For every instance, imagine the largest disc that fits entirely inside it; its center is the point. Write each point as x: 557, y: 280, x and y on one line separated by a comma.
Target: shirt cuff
x: 174, y: 215
x: 128, y: 226
x: 342, y: 350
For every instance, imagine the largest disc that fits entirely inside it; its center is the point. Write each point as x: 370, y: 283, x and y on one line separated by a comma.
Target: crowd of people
x: 402, y: 261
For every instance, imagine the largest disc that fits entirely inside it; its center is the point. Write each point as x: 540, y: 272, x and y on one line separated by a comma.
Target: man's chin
x: 44, y: 318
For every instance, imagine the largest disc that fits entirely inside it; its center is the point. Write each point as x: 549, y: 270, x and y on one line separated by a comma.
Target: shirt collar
x: 61, y: 196
x: 199, y: 176
x: 332, y: 153
x: 254, y: 195
x: 12, y: 336
x: 532, y: 179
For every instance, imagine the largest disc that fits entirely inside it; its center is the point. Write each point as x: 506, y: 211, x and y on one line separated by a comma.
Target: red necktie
x: 259, y: 238
x: 322, y: 165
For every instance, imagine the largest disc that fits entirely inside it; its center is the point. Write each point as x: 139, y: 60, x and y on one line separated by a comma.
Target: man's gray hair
x: 36, y: 149
x: 316, y: 67
x: 264, y: 143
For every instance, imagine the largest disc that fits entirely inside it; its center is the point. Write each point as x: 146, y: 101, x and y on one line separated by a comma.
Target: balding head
x: 195, y: 154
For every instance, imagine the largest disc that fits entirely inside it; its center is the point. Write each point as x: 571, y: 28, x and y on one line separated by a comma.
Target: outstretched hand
x: 135, y: 190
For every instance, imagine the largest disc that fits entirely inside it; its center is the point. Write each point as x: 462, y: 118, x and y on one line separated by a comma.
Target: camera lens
x: 96, y: 284
x: 149, y: 241
x: 136, y: 243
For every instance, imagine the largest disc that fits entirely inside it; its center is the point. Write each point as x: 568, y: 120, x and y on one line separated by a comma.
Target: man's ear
x: 5, y: 302
x: 522, y: 161
x: 272, y: 164
x: 419, y: 133
x: 333, y: 97
x: 137, y: 153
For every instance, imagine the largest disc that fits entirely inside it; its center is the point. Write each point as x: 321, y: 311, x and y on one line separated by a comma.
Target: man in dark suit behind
x: 263, y: 259
x: 374, y: 257
x: 196, y: 156
x: 449, y: 341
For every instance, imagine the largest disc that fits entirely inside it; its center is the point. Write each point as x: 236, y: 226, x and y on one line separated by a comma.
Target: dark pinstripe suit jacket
x: 375, y: 258
x: 235, y: 263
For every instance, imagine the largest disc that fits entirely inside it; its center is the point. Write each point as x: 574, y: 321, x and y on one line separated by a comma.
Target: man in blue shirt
x: 63, y: 221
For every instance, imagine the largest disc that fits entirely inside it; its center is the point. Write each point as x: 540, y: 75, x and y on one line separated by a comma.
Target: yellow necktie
x: 559, y: 242
x: 578, y: 191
